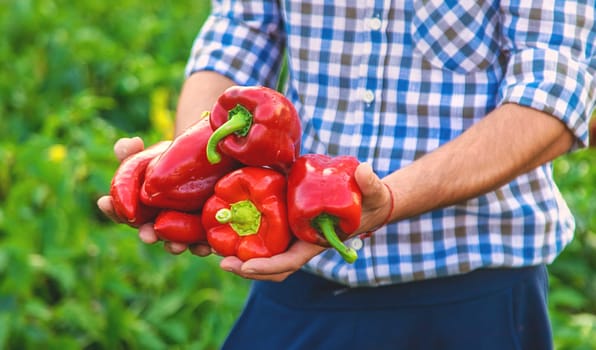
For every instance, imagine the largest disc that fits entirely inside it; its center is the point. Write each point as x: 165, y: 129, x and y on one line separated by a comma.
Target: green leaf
x: 5, y: 329
x: 567, y: 298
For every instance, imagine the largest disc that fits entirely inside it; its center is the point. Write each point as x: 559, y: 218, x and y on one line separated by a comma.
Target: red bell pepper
x: 256, y: 125
x: 126, y: 186
x: 180, y: 227
x: 247, y: 217
x: 182, y: 178
x: 324, y: 201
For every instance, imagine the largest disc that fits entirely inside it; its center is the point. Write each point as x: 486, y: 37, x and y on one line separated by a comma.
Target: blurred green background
x: 76, y: 76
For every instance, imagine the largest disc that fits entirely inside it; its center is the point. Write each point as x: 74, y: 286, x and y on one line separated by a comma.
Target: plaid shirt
x: 389, y: 82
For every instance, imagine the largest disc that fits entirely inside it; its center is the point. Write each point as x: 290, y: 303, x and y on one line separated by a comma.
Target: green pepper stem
x: 239, y: 121
x: 223, y: 215
x: 326, y: 224
x: 243, y: 217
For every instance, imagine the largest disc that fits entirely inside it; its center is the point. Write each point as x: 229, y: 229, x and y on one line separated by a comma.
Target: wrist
x: 388, y: 216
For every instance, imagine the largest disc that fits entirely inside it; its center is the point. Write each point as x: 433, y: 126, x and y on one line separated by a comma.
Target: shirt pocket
x: 460, y: 36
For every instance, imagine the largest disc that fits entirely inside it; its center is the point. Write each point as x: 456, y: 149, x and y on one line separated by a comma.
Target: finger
x: 291, y: 260
x: 200, y: 249
x: 231, y: 264
x: 370, y: 184
x: 278, y: 277
x: 147, y: 234
x: 278, y: 265
x: 126, y: 146
x: 376, y: 197
x: 175, y: 247
x: 104, y: 203
x: 234, y: 265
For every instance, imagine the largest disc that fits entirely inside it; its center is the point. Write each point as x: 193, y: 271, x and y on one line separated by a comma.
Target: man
x: 458, y: 107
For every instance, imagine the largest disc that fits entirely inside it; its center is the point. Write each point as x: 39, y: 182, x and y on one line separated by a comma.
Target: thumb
x: 370, y: 184
x: 125, y: 146
x: 375, y: 198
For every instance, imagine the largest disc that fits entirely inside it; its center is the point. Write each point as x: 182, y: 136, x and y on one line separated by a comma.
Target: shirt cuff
x: 555, y: 84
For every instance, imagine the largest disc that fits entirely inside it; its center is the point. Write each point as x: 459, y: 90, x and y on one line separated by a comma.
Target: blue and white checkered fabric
x: 390, y: 81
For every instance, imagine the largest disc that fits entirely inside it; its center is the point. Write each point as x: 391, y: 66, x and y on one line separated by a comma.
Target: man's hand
x: 276, y: 268
x: 375, y: 208
x: 122, y: 149
x: 375, y: 199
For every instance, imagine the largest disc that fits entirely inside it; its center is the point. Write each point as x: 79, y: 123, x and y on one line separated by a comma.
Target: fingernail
x: 249, y: 270
x: 227, y: 268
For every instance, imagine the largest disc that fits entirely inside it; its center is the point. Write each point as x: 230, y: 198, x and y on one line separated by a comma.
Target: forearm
x: 199, y: 93
x: 510, y: 141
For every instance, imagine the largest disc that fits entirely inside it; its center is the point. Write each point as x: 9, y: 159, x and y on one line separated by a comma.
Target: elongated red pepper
x: 180, y: 227
x: 126, y: 186
x: 247, y: 217
x: 256, y: 125
x: 324, y: 201
x: 182, y: 178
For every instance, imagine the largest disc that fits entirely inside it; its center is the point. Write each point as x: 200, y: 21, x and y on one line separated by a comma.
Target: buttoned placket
x: 374, y: 24
x: 371, y: 73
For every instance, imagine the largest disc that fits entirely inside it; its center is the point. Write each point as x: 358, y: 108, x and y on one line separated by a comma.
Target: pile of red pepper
x: 236, y: 180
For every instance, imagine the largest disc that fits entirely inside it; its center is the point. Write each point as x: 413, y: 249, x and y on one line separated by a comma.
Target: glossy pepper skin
x: 126, y: 186
x: 256, y: 125
x: 181, y: 178
x: 180, y: 227
x: 324, y: 201
x: 247, y: 215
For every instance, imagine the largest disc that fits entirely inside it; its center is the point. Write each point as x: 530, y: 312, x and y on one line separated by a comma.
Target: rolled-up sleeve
x: 551, y: 59
x: 242, y: 40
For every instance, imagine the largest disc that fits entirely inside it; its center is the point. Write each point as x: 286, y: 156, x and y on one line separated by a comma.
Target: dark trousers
x: 490, y: 309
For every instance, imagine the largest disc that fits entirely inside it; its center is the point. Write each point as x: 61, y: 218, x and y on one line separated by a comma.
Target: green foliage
x: 53, y: 50
x: 573, y: 274
x: 76, y: 76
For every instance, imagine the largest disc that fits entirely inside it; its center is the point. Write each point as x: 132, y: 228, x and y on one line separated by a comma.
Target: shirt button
x: 368, y: 96
x: 357, y: 243
x: 374, y: 23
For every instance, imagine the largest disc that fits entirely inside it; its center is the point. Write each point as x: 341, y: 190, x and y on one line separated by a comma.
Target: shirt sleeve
x: 552, y: 59
x: 242, y: 40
